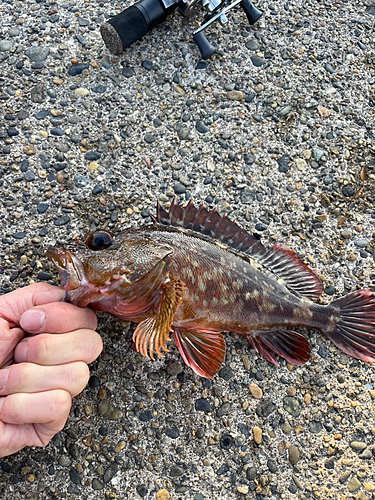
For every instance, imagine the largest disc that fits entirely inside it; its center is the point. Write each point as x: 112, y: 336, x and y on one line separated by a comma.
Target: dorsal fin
x: 282, y: 261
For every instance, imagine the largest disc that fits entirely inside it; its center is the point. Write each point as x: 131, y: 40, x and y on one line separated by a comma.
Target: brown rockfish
x: 197, y: 274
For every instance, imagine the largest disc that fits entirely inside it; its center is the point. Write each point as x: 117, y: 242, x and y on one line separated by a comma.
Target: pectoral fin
x: 153, y: 332
x: 291, y: 346
x: 203, y: 352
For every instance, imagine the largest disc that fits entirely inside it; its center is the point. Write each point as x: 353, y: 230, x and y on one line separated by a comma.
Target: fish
x: 195, y: 274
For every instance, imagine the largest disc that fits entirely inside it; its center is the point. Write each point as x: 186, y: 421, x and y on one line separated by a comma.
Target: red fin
x: 353, y: 331
x: 152, y: 333
x: 203, y: 352
x: 281, y: 261
x: 297, y: 275
x: 291, y: 346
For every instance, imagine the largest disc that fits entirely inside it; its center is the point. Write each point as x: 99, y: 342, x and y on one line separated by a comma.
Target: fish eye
x: 99, y: 240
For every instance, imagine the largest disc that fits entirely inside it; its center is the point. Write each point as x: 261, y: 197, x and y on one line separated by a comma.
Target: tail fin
x: 353, y: 327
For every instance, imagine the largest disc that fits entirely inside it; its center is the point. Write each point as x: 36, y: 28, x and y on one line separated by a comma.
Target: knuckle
x: 77, y: 375
x: 60, y: 404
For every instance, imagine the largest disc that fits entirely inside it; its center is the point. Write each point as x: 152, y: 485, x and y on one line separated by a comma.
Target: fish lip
x: 70, y: 269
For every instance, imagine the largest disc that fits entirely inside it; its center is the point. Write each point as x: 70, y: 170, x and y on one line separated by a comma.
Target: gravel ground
x: 277, y: 131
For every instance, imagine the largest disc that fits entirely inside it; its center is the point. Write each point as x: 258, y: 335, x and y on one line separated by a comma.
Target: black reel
x: 120, y: 31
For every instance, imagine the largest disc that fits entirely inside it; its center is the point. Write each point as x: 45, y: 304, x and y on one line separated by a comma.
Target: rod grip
x: 120, y: 31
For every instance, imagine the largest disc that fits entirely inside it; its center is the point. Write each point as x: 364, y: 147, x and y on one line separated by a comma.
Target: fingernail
x: 20, y: 352
x: 2, y: 400
x: 3, y: 378
x: 32, y: 320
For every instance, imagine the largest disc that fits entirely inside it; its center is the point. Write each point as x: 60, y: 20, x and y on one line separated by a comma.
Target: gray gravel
x: 275, y: 130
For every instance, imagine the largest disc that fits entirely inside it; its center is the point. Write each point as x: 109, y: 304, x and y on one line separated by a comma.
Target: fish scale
x: 197, y: 274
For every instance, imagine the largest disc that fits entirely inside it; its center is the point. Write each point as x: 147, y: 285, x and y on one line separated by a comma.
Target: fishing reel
x: 120, y: 31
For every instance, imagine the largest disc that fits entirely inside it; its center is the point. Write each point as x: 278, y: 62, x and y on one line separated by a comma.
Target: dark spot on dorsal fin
x: 281, y: 261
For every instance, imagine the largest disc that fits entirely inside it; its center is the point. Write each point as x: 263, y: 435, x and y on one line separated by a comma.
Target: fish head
x: 104, y: 264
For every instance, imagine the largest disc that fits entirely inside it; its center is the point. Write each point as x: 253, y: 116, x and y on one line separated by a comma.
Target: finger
x: 29, y: 377
x: 36, y: 408
x: 57, y: 317
x: 14, y: 304
x: 48, y: 349
x: 9, y: 338
x: 46, y: 415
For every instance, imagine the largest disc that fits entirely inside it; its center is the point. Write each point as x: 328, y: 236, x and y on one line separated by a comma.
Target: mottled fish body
x: 196, y: 274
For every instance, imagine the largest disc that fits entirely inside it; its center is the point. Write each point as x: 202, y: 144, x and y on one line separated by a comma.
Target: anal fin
x: 203, y: 352
x: 291, y: 346
x: 153, y: 332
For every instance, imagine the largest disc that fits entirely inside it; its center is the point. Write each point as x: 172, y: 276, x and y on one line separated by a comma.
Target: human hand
x: 40, y: 373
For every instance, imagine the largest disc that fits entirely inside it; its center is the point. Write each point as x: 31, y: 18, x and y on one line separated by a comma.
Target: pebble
x: 201, y: 127
x: 257, y: 434
x: 353, y: 485
x: 6, y: 45
x: 257, y: 61
x: 162, y: 494
x: 77, y: 69
x: 244, y: 489
x: 235, y: 95
x: 255, y: 391
x: 37, y: 53
x: 81, y: 92
x: 292, y: 406
x: 293, y: 454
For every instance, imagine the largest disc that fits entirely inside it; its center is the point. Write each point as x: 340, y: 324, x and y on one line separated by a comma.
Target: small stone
x: 183, y: 133
x: 225, y: 373
x: 179, y: 188
x: 96, y: 484
x: 120, y: 445
x: 162, y: 495
x: 37, y: 53
x: 81, y: 92
x: 203, y: 405
x: 255, y: 391
x: 292, y: 406
x: 201, y: 127
x: 285, y: 110
x: 172, y: 432
x: 244, y: 489
x: 93, y: 166
x: 42, y: 207
x: 29, y: 150
x: 257, y: 61
x: 235, y: 95
x: 77, y: 69
x: 369, y: 486
x: 353, y: 485
x: 145, y: 416
x: 301, y: 164
x: 257, y: 434
x: 293, y: 454
x: 358, y: 445
x: 348, y: 191
x: 174, y: 368
x: 323, y: 112
x: 6, y: 45
x: 283, y: 163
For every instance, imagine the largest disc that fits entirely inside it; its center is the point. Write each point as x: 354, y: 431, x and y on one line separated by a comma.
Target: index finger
x: 58, y: 317
x: 14, y: 304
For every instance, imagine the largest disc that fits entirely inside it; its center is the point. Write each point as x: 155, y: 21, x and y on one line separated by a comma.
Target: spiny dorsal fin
x: 282, y: 261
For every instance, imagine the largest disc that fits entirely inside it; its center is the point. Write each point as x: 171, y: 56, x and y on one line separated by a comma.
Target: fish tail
x: 352, y: 324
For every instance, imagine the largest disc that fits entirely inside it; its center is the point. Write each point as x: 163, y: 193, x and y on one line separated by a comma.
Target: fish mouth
x: 72, y: 273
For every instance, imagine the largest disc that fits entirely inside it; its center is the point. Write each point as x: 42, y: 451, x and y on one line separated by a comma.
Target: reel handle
x: 253, y: 14
x: 133, y: 23
x: 206, y: 48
